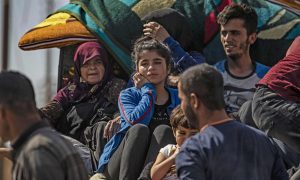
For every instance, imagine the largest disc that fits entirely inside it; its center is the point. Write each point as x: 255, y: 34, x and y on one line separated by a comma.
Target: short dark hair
x: 147, y: 43
x: 178, y: 118
x: 16, y: 93
x: 207, y: 83
x: 239, y: 11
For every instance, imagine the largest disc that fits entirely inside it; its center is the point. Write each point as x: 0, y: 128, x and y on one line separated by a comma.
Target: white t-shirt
x: 167, y: 151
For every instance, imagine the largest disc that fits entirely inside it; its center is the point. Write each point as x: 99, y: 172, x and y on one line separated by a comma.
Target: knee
x: 97, y: 128
x: 255, y: 111
x: 139, y: 131
x: 162, y: 129
x: 163, y: 133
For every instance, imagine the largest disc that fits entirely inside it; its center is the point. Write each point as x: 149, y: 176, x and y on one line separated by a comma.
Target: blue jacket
x: 183, y: 60
x: 135, y: 106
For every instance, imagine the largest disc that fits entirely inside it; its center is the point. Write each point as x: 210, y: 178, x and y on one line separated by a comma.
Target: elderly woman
x: 89, y: 99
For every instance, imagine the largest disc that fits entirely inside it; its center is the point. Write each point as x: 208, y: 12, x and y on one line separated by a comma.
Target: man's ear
x: 194, y: 101
x: 252, y: 38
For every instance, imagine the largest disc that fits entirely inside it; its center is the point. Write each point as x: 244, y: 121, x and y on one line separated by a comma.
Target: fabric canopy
x: 118, y: 23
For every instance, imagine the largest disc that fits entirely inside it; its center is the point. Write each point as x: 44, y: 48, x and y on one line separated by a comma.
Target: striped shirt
x: 238, y: 90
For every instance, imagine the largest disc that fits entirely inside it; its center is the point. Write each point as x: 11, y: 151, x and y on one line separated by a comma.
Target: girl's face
x: 153, y: 67
x: 92, y: 71
x: 182, y: 133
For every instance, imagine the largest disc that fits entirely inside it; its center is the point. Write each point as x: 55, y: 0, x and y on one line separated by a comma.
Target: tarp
x: 117, y: 23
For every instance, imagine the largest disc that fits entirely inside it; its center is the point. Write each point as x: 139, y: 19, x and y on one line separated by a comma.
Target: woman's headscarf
x: 87, y: 51
x: 77, y: 91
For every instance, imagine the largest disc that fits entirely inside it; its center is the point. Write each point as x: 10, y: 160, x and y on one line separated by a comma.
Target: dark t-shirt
x: 230, y: 150
x: 40, y: 153
x: 160, y: 115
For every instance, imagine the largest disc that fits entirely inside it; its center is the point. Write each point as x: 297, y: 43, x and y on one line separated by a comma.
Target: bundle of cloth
x: 118, y: 23
x: 57, y: 30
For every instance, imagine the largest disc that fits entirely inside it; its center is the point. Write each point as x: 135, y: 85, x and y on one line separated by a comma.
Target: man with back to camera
x: 224, y: 148
x: 38, y: 152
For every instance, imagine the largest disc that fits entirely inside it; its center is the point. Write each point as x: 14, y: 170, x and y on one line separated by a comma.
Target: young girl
x: 144, y: 111
x: 164, y: 166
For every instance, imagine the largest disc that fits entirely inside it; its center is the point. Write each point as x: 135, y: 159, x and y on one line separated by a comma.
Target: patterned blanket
x: 117, y: 23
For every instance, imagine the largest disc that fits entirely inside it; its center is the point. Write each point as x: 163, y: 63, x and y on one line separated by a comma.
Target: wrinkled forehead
x: 91, y: 59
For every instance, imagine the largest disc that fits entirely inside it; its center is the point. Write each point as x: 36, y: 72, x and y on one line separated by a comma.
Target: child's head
x: 152, y: 59
x: 146, y: 43
x: 181, y: 128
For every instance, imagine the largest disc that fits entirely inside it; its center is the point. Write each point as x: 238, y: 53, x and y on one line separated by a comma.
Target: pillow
x: 58, y: 30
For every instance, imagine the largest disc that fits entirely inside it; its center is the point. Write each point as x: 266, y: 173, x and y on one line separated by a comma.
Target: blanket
x: 118, y: 23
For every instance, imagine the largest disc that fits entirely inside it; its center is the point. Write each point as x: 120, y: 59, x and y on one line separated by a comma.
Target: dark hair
x: 177, y: 118
x: 207, y: 83
x: 16, y: 93
x: 149, y: 44
x: 239, y: 11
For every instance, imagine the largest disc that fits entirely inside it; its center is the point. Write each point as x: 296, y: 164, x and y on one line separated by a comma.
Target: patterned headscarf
x: 77, y: 91
x: 86, y: 52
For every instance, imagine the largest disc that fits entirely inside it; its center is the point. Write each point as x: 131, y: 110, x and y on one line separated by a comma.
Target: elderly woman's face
x: 92, y: 71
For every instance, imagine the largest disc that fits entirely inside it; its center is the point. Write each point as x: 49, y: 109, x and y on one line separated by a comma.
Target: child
x: 144, y: 113
x: 164, y: 166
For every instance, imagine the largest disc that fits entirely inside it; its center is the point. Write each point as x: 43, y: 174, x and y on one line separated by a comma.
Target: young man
x: 224, y: 148
x: 238, y: 24
x: 38, y: 151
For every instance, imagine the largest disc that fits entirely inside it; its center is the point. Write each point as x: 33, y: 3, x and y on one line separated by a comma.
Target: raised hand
x: 156, y: 31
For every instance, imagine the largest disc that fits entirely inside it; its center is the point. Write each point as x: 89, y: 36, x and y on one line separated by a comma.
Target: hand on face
x: 174, y: 152
x: 139, y: 80
x: 173, y: 80
x: 5, y: 152
x: 152, y: 67
x: 155, y: 31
